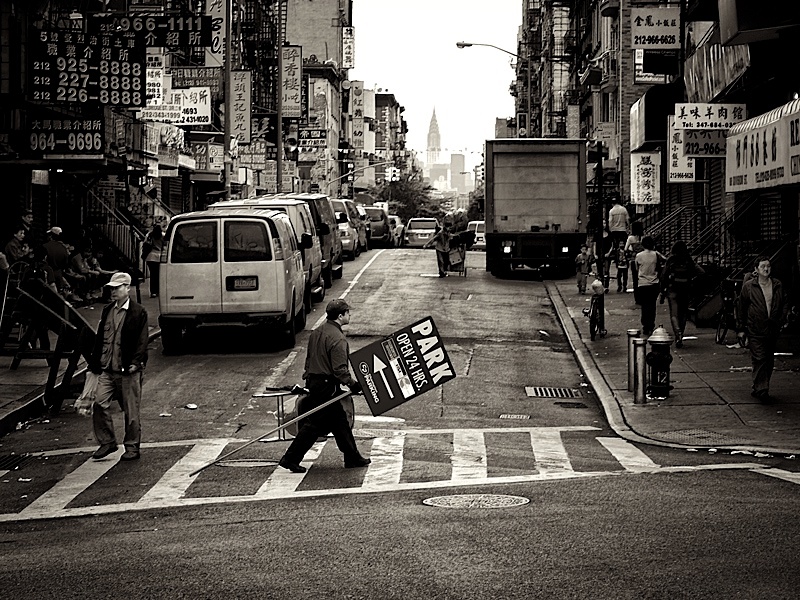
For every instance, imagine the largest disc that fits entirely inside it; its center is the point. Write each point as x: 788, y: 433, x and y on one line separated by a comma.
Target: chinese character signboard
x: 348, y: 47
x: 656, y: 28
x: 357, y: 111
x: 241, y: 86
x: 704, y: 143
x: 158, y: 30
x: 61, y: 134
x: 195, y: 103
x: 680, y: 168
x: 210, y: 77
x: 217, y: 10
x: 67, y: 66
x: 404, y: 365
x: 700, y: 115
x: 767, y: 155
x: 291, y: 79
x: 254, y: 155
x: 645, y: 178
x: 313, y: 138
x: 155, y: 87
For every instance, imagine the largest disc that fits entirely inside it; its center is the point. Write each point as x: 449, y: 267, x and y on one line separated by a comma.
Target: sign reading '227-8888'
x: 405, y: 364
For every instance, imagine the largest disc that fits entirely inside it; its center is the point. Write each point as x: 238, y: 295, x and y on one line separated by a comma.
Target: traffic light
x: 395, y: 174
x: 387, y: 174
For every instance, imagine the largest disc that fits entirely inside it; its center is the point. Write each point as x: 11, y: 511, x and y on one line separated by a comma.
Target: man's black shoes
x: 104, y: 451
x: 130, y: 455
x: 357, y: 464
x: 293, y: 467
x: 763, y: 396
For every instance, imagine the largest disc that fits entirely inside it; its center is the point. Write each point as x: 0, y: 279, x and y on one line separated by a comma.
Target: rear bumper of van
x: 275, y: 319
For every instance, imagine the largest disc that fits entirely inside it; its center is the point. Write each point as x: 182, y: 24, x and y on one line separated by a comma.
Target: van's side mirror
x: 306, y: 241
x: 323, y: 229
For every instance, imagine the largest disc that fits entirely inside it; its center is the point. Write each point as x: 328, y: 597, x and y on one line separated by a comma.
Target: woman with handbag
x: 676, y: 283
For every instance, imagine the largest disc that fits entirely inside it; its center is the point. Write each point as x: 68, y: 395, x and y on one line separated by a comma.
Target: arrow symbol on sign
x: 378, y: 366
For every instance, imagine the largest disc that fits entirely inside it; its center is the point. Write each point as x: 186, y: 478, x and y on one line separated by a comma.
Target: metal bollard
x: 640, y: 371
x: 632, y: 333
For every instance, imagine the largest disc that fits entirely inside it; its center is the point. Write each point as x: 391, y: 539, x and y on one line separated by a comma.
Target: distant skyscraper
x: 434, y: 141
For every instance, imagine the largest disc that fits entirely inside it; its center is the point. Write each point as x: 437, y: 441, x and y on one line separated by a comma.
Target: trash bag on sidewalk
x: 83, y: 405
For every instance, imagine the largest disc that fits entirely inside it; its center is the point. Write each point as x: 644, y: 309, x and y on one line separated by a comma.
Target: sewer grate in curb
x: 552, y: 392
x: 570, y: 404
x: 14, y: 461
x: 476, y: 501
x: 699, y: 436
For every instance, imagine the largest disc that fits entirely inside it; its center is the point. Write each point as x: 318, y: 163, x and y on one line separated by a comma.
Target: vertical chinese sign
x: 241, y: 90
x: 348, y: 47
x: 645, y: 177
x: 357, y: 112
x: 291, y: 79
x: 680, y: 168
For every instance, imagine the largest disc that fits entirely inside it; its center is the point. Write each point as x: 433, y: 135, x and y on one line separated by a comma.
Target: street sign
x: 407, y: 363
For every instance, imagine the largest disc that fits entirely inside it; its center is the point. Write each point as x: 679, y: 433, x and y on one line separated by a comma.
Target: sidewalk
x: 710, y: 405
x: 22, y: 390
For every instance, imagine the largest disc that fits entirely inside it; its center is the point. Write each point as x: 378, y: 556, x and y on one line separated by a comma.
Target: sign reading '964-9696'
x: 407, y: 363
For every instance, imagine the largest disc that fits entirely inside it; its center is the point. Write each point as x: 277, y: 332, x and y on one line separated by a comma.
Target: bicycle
x: 726, y: 319
x: 594, y: 312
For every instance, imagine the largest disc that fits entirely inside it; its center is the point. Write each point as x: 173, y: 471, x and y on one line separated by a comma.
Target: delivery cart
x: 458, y: 259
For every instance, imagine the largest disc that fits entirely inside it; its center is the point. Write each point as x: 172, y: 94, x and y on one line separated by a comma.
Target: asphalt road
x: 598, y: 517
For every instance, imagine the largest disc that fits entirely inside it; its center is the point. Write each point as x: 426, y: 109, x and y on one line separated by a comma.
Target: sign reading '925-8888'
x: 407, y: 363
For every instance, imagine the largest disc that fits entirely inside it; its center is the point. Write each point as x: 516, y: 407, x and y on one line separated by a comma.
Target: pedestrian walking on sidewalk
x: 326, y: 367
x: 151, y: 253
x: 622, y: 269
x: 119, y: 356
x: 619, y: 222
x: 633, y: 245
x: 648, y: 265
x: 583, y: 267
x: 676, y: 285
x: 441, y: 241
x: 761, y: 315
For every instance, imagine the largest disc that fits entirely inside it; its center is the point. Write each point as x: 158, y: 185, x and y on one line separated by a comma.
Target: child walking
x: 583, y: 266
x: 622, y: 269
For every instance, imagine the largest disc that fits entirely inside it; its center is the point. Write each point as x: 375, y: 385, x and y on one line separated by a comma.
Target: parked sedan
x: 349, y: 235
x: 420, y: 230
x: 380, y: 231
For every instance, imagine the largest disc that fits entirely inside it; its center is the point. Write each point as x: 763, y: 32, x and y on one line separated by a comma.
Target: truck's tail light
x: 507, y: 246
x: 564, y: 249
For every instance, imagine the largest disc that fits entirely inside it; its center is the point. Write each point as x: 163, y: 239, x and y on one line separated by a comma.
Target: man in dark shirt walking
x: 326, y: 367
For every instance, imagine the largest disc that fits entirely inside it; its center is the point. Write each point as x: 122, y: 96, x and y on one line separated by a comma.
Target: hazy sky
x: 408, y: 48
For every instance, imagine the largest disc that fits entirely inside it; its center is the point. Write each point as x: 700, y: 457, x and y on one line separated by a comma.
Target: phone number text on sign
x: 56, y: 136
x: 86, y: 68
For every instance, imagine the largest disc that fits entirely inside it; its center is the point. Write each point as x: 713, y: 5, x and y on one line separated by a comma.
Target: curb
x: 32, y: 407
x: 611, y: 406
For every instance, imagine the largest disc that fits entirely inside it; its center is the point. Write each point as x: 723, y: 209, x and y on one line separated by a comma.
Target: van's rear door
x: 189, y: 279
x: 249, y: 270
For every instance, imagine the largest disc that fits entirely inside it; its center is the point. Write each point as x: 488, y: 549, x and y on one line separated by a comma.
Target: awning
x: 764, y: 151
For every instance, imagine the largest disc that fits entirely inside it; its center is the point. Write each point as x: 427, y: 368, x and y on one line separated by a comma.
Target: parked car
x: 230, y: 267
x: 357, y: 222
x: 300, y: 214
x: 328, y: 232
x: 420, y: 230
x: 397, y: 230
x: 380, y: 231
x: 479, y: 229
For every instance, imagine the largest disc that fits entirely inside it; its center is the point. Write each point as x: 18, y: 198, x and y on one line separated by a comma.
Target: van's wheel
x: 327, y: 276
x: 171, y: 338
x: 337, y: 273
x: 289, y: 336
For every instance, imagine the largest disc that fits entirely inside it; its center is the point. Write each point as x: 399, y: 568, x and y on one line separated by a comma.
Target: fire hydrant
x: 659, y: 359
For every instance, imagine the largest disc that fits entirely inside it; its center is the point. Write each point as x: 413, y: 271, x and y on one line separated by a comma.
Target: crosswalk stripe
x: 469, y: 455
x: 780, y: 474
x: 174, y: 483
x: 387, y: 461
x: 549, y: 451
x: 628, y: 455
x: 66, y: 490
x: 283, y: 482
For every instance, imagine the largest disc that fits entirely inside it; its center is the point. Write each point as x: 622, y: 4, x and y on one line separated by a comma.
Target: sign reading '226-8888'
x: 405, y: 364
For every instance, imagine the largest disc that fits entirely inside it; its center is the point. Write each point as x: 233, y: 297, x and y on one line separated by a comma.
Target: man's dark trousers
x: 331, y: 419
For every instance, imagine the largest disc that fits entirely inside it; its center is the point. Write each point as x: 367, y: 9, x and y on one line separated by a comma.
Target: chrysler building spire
x: 434, y: 141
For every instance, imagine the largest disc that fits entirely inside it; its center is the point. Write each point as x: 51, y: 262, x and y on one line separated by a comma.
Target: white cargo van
x: 230, y: 267
x: 300, y: 214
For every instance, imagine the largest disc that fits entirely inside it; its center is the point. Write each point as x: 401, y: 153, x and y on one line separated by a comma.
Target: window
x: 195, y: 243
x: 246, y: 241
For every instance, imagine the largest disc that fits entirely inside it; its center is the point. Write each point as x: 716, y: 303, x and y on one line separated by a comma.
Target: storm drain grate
x: 13, y: 461
x: 552, y: 392
x: 699, y: 436
x: 570, y: 404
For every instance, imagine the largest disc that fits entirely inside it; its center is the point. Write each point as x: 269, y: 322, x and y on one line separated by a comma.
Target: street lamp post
x: 527, y: 68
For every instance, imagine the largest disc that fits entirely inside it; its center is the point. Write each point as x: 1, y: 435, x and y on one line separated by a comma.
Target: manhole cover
x: 247, y: 463
x: 476, y: 501
x: 552, y: 392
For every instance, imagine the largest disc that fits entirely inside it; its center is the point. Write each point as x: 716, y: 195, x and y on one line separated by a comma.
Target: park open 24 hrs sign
x: 407, y: 363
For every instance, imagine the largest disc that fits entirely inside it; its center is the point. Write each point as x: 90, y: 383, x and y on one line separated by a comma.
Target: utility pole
x: 598, y: 243
x: 227, y: 159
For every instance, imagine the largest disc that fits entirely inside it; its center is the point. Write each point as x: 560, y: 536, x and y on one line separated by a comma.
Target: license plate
x: 422, y: 235
x: 242, y: 284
